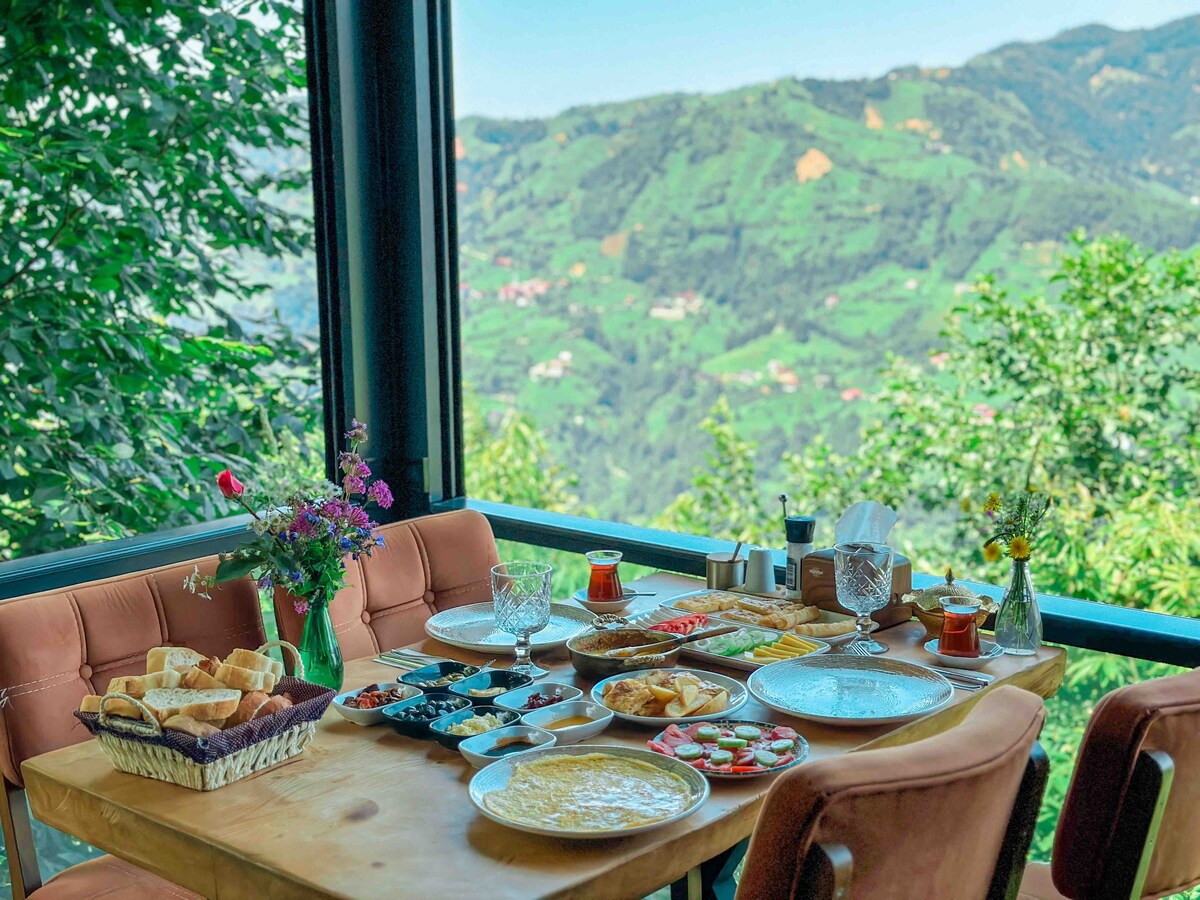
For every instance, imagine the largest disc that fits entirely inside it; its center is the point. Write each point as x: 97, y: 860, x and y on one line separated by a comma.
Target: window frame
x: 367, y: 140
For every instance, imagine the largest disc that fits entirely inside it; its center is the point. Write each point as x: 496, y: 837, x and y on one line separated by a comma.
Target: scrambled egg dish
x: 594, y: 792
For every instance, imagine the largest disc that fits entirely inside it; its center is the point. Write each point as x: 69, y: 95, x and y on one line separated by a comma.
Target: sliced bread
x: 116, y: 707
x: 160, y: 658
x: 205, y: 705
x: 247, y: 708
x: 255, y: 661
x: 197, y: 679
x: 138, y: 685
x: 246, y: 679
x: 191, y: 726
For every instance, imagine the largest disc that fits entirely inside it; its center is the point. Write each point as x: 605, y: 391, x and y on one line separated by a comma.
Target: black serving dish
x: 420, y: 727
x: 438, y: 727
x: 434, y: 672
x: 492, y: 678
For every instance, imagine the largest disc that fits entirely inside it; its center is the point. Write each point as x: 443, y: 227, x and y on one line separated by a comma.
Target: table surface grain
x: 365, y: 812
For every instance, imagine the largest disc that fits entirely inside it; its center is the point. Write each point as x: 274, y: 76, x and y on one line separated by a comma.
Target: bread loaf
x: 214, y: 703
x: 247, y: 708
x: 115, y: 707
x: 160, y: 658
x: 209, y: 666
x: 274, y: 705
x: 191, y: 726
x: 197, y: 679
x: 138, y: 685
x: 246, y: 679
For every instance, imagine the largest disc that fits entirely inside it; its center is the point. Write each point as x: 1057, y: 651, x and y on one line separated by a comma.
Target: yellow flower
x: 992, y: 504
x: 1018, y: 547
x: 991, y: 552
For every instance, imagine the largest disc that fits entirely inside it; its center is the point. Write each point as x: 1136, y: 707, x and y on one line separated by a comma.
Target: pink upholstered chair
x: 58, y: 646
x: 1130, y: 826
x: 426, y: 565
x: 926, y: 821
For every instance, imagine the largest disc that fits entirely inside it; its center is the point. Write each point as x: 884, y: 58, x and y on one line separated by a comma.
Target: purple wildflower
x: 357, y: 432
x: 363, y: 470
x: 300, y: 604
x: 264, y: 583
x: 380, y: 493
x: 353, y: 484
x: 348, y: 462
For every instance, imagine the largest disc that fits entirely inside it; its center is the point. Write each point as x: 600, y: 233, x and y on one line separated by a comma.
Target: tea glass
x: 604, y: 584
x: 960, y: 630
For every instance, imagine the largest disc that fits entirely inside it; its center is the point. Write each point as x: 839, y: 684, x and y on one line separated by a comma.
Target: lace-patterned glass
x: 862, y: 572
x: 521, y: 591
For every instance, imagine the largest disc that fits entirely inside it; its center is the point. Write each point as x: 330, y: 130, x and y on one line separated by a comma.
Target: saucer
x: 605, y: 606
x: 987, y: 652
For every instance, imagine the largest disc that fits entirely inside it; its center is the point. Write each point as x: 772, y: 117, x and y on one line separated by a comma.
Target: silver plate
x: 850, y: 690
x: 474, y: 628
x: 666, y: 613
x: 495, y: 777
x: 826, y: 616
x: 737, y: 697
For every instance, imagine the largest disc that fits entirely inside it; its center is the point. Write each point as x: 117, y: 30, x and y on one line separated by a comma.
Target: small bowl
x: 438, y: 726
x: 436, y: 671
x: 420, y: 727
x: 515, y: 700
x: 932, y: 619
x: 544, y: 718
x: 987, y: 652
x: 374, y: 715
x: 492, y: 678
x: 601, y: 607
x: 475, y: 748
x: 587, y: 651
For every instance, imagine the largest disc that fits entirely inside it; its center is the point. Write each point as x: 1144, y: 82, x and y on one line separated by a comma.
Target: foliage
x: 127, y: 194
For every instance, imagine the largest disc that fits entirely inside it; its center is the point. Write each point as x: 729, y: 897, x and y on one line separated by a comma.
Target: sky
x: 531, y: 58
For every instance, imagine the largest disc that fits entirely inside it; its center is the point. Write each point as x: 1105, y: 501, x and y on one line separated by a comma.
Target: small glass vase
x: 319, y: 647
x: 1019, y: 621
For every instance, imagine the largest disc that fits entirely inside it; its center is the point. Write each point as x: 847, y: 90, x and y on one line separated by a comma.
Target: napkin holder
x: 818, y: 588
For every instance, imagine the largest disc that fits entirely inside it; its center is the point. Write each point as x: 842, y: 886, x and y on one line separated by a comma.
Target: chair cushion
x: 57, y: 646
x: 426, y: 565
x: 924, y: 821
x: 112, y: 879
x: 1160, y: 714
x: 1036, y: 884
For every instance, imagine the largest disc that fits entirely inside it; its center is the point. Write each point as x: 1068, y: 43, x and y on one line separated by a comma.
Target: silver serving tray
x: 850, y: 690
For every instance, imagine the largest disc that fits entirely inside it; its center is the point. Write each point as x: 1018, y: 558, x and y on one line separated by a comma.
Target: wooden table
x: 365, y: 812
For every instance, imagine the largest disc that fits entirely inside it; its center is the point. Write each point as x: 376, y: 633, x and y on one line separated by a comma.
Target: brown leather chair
x: 928, y: 821
x: 58, y: 646
x: 1130, y: 826
x: 425, y: 565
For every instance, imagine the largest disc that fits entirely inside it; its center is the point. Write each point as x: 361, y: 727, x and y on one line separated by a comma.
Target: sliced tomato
x: 783, y: 733
x: 660, y: 748
x: 684, y: 625
x: 746, y: 769
x: 674, y: 736
x: 784, y: 760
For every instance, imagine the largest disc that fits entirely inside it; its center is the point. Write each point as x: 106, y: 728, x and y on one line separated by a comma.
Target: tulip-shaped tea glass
x: 521, y: 591
x: 862, y: 572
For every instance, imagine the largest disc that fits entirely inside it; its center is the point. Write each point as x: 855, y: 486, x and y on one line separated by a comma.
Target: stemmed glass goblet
x: 521, y: 591
x: 862, y: 572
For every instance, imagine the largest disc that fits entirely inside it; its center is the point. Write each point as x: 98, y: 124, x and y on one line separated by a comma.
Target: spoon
x: 629, y: 652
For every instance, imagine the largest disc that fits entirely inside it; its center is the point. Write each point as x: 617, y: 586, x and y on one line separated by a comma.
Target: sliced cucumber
x: 765, y: 758
x: 747, y: 732
x: 783, y: 745
x: 731, y: 743
x: 720, y: 757
x: 708, y: 733
x: 689, y: 751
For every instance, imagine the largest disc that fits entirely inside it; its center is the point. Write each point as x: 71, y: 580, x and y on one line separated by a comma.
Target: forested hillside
x: 624, y: 265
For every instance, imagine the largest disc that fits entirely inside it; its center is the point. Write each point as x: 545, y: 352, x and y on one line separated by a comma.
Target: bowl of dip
x: 484, y: 749
x: 572, y: 721
x: 483, y: 688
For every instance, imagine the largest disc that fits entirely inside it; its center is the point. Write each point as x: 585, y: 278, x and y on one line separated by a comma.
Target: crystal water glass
x: 521, y: 591
x: 862, y: 572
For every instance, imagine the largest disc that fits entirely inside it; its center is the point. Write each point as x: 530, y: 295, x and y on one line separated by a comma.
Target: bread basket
x: 143, y: 747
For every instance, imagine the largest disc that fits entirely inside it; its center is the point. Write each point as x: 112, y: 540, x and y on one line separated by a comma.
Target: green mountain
x: 623, y: 265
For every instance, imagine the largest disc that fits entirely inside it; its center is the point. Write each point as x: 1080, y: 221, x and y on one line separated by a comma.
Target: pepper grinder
x: 800, y: 531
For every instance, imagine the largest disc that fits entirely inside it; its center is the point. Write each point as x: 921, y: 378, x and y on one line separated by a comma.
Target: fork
x: 855, y: 648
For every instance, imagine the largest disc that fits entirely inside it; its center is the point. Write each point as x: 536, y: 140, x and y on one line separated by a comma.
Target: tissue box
x: 817, y: 587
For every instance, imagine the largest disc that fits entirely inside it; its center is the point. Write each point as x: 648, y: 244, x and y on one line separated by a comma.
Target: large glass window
x: 159, y: 306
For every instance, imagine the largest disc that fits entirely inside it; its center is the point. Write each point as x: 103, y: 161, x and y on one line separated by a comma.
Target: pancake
x: 593, y: 792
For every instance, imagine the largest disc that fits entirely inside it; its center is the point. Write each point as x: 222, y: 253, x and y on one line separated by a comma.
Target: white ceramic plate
x: 737, y: 698
x: 495, y: 777
x: 741, y: 662
x: 474, y: 748
x: 987, y: 652
x: 515, y: 700
x: 671, y: 612
x: 374, y: 715
x: 474, y: 628
x: 850, y: 690
x: 601, y: 717
x: 601, y: 607
x: 800, y: 751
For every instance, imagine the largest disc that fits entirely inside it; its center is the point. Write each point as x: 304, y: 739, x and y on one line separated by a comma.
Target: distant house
x: 559, y: 367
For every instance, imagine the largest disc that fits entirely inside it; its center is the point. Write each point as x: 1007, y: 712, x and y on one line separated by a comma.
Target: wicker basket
x: 144, y: 748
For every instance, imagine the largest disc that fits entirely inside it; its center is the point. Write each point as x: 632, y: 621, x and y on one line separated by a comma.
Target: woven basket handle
x: 284, y: 645
x: 129, y: 726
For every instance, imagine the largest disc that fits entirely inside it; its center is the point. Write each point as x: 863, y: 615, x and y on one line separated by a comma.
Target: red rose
x: 229, y: 485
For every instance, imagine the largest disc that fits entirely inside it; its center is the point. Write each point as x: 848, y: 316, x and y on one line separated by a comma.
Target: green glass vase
x: 319, y: 647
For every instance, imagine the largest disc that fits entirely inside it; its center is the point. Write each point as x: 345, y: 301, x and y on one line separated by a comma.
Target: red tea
x: 960, y: 633
x: 604, y: 583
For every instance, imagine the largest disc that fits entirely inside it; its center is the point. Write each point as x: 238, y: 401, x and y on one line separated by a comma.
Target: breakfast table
x: 366, y: 812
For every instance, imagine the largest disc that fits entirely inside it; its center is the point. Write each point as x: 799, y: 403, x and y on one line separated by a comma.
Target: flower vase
x: 1019, y: 622
x: 319, y: 647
